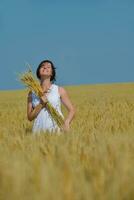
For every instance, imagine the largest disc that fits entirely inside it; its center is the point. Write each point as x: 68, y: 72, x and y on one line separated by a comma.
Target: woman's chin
x: 45, y: 76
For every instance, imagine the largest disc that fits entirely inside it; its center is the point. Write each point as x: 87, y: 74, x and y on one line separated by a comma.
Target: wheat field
x: 95, y: 160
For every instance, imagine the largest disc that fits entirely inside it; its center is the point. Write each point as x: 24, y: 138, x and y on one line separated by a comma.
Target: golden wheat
x: 93, y: 161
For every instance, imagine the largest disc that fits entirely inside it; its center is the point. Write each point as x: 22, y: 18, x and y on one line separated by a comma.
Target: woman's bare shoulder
x: 62, y: 90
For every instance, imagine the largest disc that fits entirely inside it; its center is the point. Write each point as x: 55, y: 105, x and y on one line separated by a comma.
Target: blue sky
x: 89, y: 41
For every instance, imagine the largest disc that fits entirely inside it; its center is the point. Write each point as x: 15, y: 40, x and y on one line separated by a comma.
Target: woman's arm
x: 68, y: 104
x: 32, y: 113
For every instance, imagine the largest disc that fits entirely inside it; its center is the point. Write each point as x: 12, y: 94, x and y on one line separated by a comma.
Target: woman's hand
x: 66, y: 126
x: 43, y: 100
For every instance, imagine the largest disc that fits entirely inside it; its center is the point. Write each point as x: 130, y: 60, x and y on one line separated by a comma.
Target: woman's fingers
x: 66, y: 127
x: 43, y: 100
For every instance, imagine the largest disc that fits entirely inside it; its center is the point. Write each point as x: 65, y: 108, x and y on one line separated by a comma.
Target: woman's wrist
x: 67, y: 121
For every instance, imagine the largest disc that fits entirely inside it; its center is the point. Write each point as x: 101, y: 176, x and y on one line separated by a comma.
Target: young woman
x: 36, y: 108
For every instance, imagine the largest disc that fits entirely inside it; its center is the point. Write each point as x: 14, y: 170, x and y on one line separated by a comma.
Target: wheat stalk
x: 30, y: 81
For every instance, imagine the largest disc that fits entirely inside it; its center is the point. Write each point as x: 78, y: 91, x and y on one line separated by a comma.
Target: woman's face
x: 46, y: 70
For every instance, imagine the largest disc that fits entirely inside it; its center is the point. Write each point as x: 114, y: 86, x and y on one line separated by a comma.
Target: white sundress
x: 44, y: 120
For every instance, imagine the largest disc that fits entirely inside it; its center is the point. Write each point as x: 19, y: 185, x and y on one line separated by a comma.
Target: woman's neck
x: 45, y: 84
